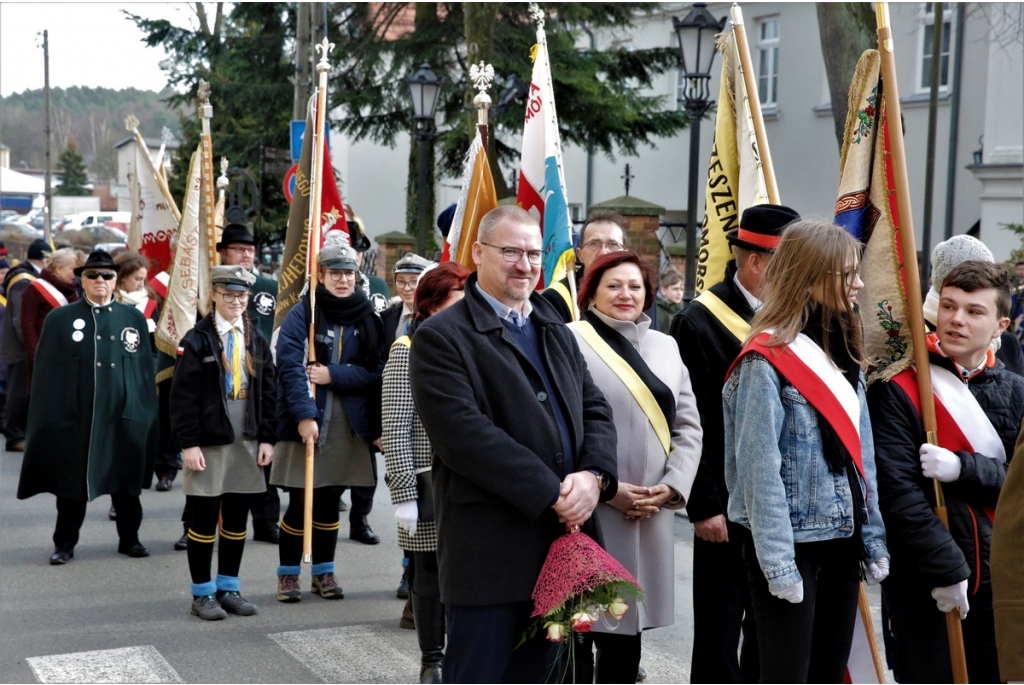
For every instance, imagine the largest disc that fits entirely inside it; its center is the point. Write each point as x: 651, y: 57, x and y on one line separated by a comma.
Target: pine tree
x: 71, y: 170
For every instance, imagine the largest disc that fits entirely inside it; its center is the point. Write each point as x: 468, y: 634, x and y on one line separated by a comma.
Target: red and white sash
x: 821, y: 383
x: 159, y: 283
x: 50, y: 293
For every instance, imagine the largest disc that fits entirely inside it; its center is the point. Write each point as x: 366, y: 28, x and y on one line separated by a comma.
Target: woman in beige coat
x: 659, y: 444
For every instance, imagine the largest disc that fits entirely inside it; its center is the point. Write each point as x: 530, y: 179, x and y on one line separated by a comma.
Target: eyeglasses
x: 231, y: 297
x: 105, y: 275
x: 849, y: 277
x: 514, y: 254
x: 405, y: 285
x: 338, y: 274
x: 243, y: 250
x: 610, y: 245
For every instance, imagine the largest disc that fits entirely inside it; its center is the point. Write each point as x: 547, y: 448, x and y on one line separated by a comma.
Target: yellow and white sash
x: 732, y: 321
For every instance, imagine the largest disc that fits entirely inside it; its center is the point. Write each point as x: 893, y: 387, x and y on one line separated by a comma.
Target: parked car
x: 109, y: 247
x: 18, y: 229
x: 89, y: 220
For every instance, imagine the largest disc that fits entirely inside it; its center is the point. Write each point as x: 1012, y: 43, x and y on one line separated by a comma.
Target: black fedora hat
x: 98, y: 259
x: 235, y: 234
x: 761, y: 227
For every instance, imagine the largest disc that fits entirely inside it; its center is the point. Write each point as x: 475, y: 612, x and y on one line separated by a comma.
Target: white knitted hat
x: 955, y: 251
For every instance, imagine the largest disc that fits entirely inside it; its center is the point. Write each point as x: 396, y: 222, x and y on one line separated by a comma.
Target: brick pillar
x: 642, y: 222
x: 392, y: 247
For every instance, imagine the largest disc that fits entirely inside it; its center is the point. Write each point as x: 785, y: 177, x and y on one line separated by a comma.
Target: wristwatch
x: 602, y: 479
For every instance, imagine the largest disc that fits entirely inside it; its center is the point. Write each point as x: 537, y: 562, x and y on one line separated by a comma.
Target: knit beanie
x: 946, y: 256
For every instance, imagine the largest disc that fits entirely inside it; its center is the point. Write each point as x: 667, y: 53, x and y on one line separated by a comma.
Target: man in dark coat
x: 935, y: 570
x: 238, y: 246
x: 92, y: 426
x: 12, y: 352
x: 524, y: 445
x: 710, y: 333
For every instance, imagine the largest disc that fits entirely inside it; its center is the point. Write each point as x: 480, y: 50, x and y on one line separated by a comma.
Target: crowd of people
x: 508, y: 416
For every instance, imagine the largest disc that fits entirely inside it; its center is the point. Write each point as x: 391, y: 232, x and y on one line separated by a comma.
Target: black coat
x: 708, y: 350
x: 390, y: 317
x: 923, y: 553
x: 497, y: 450
x: 198, y: 405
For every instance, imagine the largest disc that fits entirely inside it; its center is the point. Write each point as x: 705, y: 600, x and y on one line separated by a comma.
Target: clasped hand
x: 577, y: 498
x: 639, y: 501
x: 318, y: 374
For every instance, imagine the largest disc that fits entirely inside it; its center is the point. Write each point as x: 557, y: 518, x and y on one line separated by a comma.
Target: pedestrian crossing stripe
x: 352, y: 654
x: 124, y: 665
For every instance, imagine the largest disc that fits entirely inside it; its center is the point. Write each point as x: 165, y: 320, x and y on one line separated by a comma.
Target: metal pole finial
x: 537, y: 14
x: 131, y: 122
x: 482, y: 76
x: 324, y: 48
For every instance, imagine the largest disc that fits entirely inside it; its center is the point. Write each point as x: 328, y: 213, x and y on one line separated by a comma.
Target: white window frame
x: 768, y: 46
x: 927, y: 27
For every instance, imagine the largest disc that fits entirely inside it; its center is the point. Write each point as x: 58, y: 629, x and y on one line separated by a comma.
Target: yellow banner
x: 478, y: 197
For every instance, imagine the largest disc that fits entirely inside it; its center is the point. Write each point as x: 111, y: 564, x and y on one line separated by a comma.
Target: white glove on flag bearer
x: 877, y: 571
x: 407, y: 514
x: 939, y: 463
x: 951, y: 597
x: 793, y: 594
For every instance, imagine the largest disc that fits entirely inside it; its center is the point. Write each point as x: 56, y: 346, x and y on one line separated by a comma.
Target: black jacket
x: 497, y: 449
x: 391, y: 316
x: 198, y: 405
x: 708, y: 350
x: 924, y: 553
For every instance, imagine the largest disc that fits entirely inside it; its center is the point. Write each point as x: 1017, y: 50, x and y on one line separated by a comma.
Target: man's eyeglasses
x: 405, y: 285
x: 514, y: 254
x: 243, y: 250
x: 610, y: 245
x: 231, y: 297
x: 105, y: 275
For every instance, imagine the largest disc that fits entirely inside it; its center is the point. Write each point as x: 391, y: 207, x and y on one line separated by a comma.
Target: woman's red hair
x: 436, y: 285
x: 592, y: 276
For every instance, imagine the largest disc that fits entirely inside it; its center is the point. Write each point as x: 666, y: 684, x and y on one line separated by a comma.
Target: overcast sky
x: 91, y: 44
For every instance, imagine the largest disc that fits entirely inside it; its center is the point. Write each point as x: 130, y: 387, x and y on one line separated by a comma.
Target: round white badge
x: 79, y: 324
x: 77, y: 336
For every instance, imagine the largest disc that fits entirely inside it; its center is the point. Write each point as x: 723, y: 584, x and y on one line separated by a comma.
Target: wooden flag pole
x: 865, y: 617
x: 206, y: 113
x: 131, y: 123
x: 313, y: 246
x: 754, y: 103
x: 912, y: 279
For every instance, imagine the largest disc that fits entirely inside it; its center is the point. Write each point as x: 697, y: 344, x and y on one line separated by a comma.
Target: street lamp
x: 696, y: 35
x: 425, y: 88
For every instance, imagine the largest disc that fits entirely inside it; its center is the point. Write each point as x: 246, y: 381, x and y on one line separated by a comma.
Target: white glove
x: 407, y: 514
x: 952, y: 597
x: 939, y: 463
x: 877, y: 571
x: 793, y: 594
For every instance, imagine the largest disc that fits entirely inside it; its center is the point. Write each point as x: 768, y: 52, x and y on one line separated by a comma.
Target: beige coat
x: 1006, y: 562
x: 645, y: 548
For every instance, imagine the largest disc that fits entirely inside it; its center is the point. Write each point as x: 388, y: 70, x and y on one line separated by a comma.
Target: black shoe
x: 403, y: 586
x: 361, y: 532
x: 182, y: 543
x: 61, y: 556
x: 112, y: 514
x: 208, y: 608
x: 135, y: 550
x: 163, y: 485
x: 641, y: 674
x: 270, y: 533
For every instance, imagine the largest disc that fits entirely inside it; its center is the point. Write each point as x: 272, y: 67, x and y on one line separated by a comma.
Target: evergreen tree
x: 71, y: 171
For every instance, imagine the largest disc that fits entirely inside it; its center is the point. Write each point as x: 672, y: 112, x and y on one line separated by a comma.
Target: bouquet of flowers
x: 579, y: 585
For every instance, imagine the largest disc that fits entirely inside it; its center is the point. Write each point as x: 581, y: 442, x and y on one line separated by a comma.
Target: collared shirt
x: 754, y: 303
x: 403, y: 321
x: 505, y: 312
x: 224, y: 329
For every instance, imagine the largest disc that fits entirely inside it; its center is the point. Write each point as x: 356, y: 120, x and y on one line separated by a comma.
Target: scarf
x: 836, y: 455
x: 354, y: 310
x: 662, y: 394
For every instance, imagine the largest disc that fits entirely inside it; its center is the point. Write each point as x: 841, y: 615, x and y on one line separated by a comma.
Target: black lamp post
x: 425, y: 88
x: 696, y: 34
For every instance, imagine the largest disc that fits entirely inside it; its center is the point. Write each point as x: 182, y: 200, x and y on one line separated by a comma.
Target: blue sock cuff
x: 227, y: 583
x: 204, y: 589
x: 289, y: 570
x: 405, y: 562
x: 322, y: 567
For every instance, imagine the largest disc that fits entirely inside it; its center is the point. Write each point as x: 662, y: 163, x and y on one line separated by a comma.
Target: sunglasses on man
x: 105, y: 275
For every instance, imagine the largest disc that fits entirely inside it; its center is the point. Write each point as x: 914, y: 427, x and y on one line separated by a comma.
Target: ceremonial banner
x: 295, y: 263
x: 867, y: 208
x: 188, y: 290
x: 541, y: 180
x: 477, y: 197
x: 735, y: 177
x: 153, y: 223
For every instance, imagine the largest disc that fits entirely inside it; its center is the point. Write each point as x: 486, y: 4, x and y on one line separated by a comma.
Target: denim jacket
x: 780, y: 486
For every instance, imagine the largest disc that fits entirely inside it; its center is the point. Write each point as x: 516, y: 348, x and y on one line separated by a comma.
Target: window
x: 768, y: 60
x: 927, y: 35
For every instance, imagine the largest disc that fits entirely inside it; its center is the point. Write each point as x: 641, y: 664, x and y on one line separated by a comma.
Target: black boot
x: 429, y: 615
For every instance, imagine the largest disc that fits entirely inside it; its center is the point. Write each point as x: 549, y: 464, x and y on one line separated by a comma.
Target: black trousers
x: 168, y: 459
x: 922, y: 644
x: 722, y: 612
x: 16, y: 411
x: 362, y: 496
x: 807, y: 642
x: 232, y: 510
x: 266, y: 507
x: 71, y: 515
x: 481, y: 646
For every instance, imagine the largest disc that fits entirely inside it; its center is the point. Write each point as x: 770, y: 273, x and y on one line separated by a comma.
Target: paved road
x: 107, y: 618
